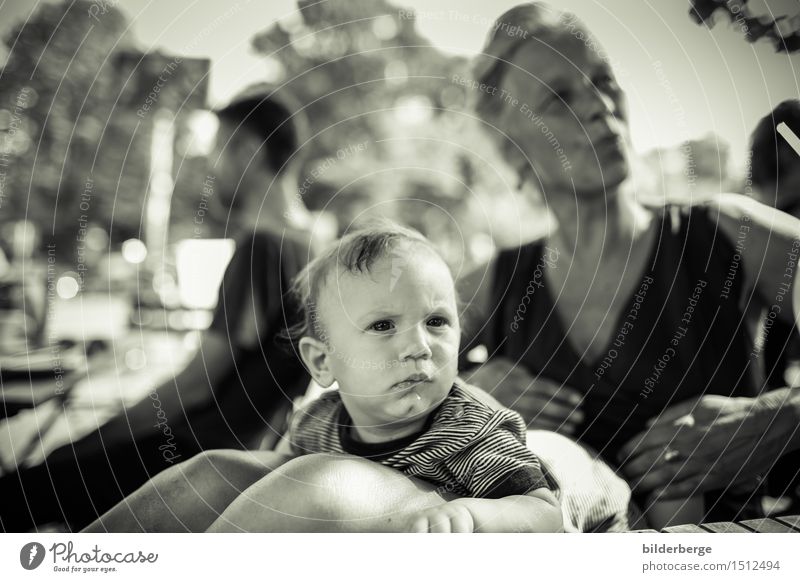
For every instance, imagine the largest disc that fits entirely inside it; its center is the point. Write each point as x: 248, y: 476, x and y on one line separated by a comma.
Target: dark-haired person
x: 625, y: 325
x: 775, y: 179
x: 774, y: 167
x: 239, y: 378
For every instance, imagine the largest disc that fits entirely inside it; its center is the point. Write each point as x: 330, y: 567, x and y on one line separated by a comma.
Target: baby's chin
x: 419, y: 401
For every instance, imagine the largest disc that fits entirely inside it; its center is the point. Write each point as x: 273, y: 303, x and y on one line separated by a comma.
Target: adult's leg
x: 79, y: 482
x: 324, y: 493
x: 190, y: 495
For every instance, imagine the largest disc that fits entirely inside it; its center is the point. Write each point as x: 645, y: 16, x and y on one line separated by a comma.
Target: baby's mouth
x: 412, y: 382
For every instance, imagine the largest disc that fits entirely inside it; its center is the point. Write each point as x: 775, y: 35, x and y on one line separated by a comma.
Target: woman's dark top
x: 253, y: 308
x: 682, y: 333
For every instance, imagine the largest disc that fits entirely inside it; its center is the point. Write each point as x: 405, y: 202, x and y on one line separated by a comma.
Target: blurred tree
x: 366, y: 76
x: 56, y: 92
x: 782, y: 29
x: 349, y: 62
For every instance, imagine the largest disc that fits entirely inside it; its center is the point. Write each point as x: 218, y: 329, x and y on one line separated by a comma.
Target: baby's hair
x: 354, y: 253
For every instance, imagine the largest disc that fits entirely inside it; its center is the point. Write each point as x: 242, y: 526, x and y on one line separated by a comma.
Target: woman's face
x: 569, y: 118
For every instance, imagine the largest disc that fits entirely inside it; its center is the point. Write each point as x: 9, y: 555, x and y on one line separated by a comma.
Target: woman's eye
x: 605, y: 81
x: 437, y: 321
x: 381, y: 326
x: 560, y: 96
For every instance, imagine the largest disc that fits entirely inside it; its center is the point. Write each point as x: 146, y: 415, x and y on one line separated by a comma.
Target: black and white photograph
x: 399, y: 266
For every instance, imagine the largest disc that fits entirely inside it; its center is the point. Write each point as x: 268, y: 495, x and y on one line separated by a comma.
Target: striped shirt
x: 467, y: 448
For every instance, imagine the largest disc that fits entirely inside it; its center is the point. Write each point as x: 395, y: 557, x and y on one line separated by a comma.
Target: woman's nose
x: 415, y: 344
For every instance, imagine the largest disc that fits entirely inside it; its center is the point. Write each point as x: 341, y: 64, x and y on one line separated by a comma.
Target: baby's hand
x: 451, y: 517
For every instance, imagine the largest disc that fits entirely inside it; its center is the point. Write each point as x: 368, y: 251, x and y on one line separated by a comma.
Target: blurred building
x: 691, y: 171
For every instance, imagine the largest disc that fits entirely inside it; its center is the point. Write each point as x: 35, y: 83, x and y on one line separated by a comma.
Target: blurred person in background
x: 774, y: 168
x: 241, y: 378
x: 775, y: 180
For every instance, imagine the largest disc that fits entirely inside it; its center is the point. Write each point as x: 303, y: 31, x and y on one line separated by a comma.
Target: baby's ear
x: 315, y: 356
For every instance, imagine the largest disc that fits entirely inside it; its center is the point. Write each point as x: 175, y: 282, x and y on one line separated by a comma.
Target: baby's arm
x: 506, y: 488
x: 537, y: 511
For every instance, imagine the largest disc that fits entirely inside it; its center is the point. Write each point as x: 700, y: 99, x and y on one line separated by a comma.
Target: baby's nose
x: 416, y: 345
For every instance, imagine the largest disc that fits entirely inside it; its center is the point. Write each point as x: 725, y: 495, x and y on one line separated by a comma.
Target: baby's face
x: 393, y: 337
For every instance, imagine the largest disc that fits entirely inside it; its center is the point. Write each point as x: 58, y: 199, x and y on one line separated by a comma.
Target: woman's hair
x: 354, y: 253
x: 766, y: 145
x: 508, y: 33
x: 272, y: 117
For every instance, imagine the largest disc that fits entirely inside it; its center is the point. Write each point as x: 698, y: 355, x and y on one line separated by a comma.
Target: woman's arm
x: 544, y: 404
x: 714, y: 441
x: 536, y: 512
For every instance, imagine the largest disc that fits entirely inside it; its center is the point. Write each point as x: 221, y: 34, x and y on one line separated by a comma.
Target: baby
x: 382, y: 323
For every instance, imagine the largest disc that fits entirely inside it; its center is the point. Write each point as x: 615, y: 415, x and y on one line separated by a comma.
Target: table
x: 778, y: 524
x: 116, y: 377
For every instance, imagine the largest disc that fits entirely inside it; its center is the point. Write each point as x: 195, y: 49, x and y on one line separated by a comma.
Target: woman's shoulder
x: 676, y: 209
x: 733, y: 215
x: 699, y: 217
x: 726, y: 205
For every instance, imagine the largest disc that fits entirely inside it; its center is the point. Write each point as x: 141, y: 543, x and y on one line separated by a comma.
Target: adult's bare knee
x: 345, y: 488
x: 191, y: 495
x: 234, y: 468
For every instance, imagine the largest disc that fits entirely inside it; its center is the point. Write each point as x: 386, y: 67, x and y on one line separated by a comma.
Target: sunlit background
x: 101, y: 197
x: 725, y: 84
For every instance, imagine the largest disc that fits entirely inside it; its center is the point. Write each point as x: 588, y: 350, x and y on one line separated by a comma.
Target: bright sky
x: 683, y: 80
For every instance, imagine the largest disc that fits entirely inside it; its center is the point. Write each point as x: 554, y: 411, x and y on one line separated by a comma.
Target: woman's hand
x: 544, y: 404
x: 706, y: 443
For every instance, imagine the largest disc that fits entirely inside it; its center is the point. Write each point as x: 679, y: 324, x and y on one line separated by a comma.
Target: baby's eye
x: 437, y: 321
x: 382, y: 326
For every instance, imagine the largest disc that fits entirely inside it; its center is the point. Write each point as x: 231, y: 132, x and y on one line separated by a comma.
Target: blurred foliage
x: 782, y: 29
x: 390, y: 129
x: 365, y: 76
x: 57, y: 91
x: 77, y: 138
